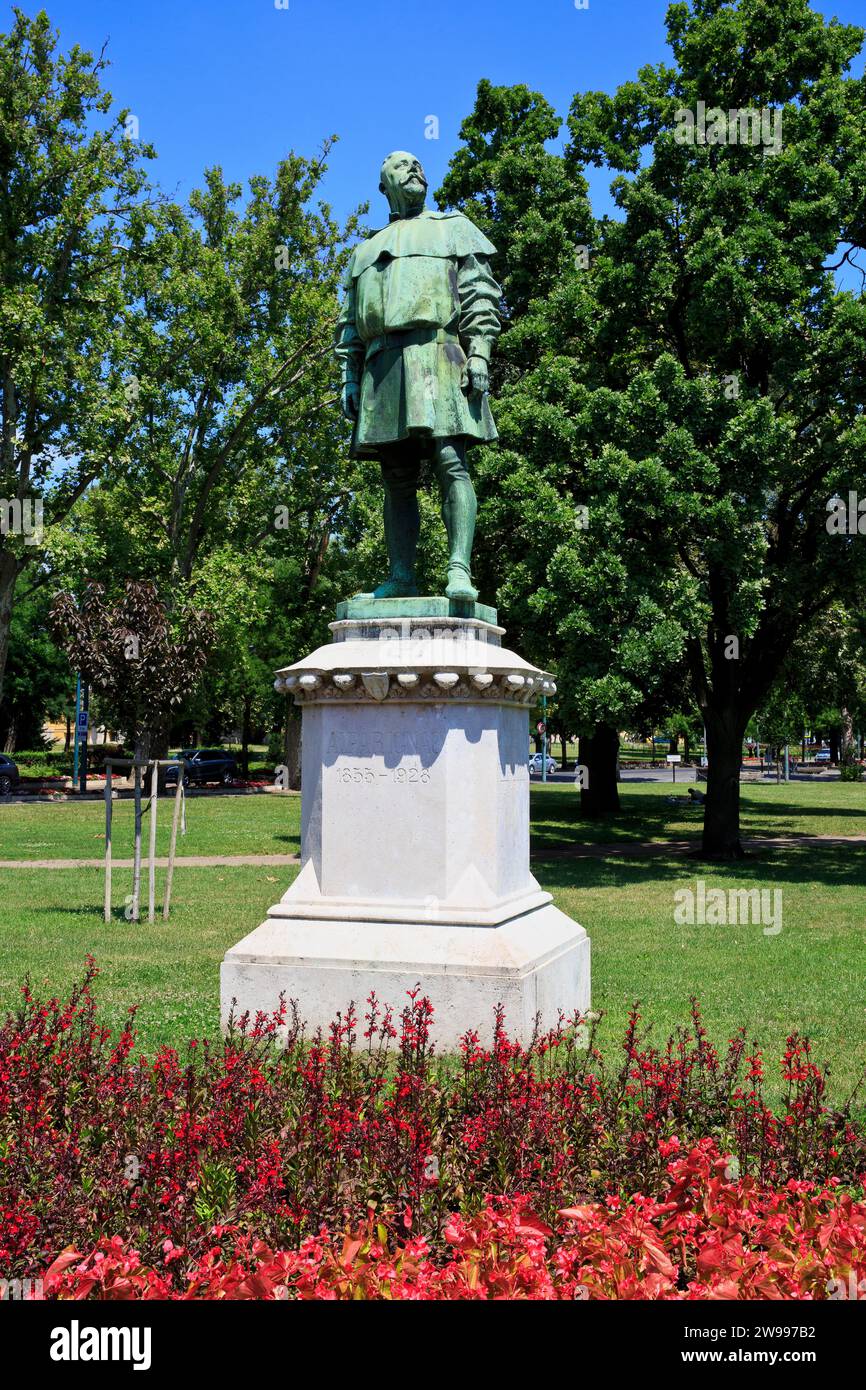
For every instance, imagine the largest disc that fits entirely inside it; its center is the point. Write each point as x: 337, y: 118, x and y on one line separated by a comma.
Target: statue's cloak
x: 420, y: 299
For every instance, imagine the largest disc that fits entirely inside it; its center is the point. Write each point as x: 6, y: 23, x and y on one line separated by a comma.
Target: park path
x: 192, y: 861
x: 649, y: 848
x: 625, y: 849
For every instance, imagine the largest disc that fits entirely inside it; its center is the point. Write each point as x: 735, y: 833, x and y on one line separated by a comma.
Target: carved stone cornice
x: 406, y: 687
x: 447, y: 663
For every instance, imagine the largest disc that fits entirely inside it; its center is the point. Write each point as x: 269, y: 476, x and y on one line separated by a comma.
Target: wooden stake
x: 108, y: 842
x: 151, y: 865
x: 178, y: 799
x: 136, y: 863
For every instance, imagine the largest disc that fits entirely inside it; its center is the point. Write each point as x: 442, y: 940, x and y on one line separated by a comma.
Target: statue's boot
x: 458, y: 512
x: 402, y: 528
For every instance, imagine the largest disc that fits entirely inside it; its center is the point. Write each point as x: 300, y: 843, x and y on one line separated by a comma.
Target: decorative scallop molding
x: 509, y: 687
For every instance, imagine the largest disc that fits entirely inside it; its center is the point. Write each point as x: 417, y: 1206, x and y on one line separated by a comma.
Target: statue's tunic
x: 419, y: 300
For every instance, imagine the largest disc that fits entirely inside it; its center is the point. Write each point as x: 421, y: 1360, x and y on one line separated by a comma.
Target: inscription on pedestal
x: 375, y: 743
x: 400, y: 776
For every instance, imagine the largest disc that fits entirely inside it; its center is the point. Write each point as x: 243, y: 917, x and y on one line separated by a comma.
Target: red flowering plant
x: 705, y: 1237
x: 199, y: 1169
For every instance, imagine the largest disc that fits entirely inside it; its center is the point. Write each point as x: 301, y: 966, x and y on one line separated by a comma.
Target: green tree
x: 585, y: 585
x: 822, y: 683
x: 236, y: 492
x: 38, y: 682
x: 230, y: 362
x: 741, y: 360
x: 704, y: 377
x: 236, y: 453
x: 71, y: 185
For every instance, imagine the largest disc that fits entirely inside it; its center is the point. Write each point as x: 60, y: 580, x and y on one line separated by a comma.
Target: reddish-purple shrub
x: 706, y: 1238
x: 244, y: 1140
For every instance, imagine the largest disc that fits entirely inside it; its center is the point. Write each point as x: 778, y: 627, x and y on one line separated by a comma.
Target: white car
x: 536, y: 764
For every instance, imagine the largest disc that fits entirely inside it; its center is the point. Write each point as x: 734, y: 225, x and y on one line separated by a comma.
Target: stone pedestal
x: 415, y: 833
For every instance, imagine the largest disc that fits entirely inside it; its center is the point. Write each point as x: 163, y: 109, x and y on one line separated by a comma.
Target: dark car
x: 9, y: 778
x: 201, y: 765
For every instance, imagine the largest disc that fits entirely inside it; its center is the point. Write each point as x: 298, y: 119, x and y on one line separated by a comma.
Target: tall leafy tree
x: 230, y: 363
x: 563, y: 539
x: 38, y: 683
x: 703, y: 378
x: 71, y: 185
x: 235, y: 491
x: 741, y: 360
x: 235, y: 451
x: 822, y: 683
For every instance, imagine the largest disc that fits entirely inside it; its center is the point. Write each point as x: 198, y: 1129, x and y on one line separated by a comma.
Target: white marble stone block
x: 415, y: 840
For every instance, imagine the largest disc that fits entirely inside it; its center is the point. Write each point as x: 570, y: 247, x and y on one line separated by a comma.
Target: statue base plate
x: 533, y: 965
x: 366, y: 606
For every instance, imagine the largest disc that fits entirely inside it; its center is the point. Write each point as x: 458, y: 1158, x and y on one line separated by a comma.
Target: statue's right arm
x: 350, y: 350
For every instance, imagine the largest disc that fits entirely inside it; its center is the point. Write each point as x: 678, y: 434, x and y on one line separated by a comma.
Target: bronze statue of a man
x: 420, y: 316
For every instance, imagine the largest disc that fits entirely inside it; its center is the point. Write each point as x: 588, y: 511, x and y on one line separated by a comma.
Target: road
x: 689, y: 774
x: 629, y: 774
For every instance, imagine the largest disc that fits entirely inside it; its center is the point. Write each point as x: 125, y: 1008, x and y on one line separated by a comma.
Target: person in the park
x: 420, y: 315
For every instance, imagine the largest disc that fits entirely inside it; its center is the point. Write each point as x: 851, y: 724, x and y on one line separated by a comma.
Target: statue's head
x: 403, y: 183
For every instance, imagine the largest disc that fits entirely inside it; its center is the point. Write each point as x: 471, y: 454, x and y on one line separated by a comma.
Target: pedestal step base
x: 537, y: 964
x: 365, y: 606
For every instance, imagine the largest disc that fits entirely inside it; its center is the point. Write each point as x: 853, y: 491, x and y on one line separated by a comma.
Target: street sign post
x: 75, y: 739
x: 82, y: 721
x: 673, y: 759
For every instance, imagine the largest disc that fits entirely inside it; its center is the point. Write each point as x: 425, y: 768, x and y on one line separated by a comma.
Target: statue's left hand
x: 351, y: 399
x: 479, y: 378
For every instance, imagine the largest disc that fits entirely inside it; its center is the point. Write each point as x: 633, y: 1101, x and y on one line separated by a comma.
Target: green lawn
x: 767, y: 809
x: 811, y: 976
x: 258, y: 823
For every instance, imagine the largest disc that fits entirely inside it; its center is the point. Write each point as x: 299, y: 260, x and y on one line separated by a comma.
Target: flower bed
x: 707, y: 1238
x: 186, y: 1176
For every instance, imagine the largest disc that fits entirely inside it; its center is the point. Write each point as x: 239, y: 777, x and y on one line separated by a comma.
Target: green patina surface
x: 365, y: 606
x: 420, y: 315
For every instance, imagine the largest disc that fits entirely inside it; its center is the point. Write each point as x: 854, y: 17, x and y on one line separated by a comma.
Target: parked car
x: 201, y: 765
x: 9, y: 777
x: 536, y: 764
x: 822, y: 755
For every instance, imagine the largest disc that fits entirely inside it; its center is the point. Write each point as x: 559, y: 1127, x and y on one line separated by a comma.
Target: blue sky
x: 241, y: 82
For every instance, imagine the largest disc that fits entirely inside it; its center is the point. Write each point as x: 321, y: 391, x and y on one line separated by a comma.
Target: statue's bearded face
x: 403, y: 183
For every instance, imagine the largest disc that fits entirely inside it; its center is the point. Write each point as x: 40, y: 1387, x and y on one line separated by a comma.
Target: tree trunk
x: 847, y: 750
x: 9, y: 571
x: 674, y: 743
x: 725, y: 730
x: 835, y: 741
x: 292, y: 749
x: 599, y: 754
x: 245, y: 737
x: 155, y: 743
x: 687, y: 748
